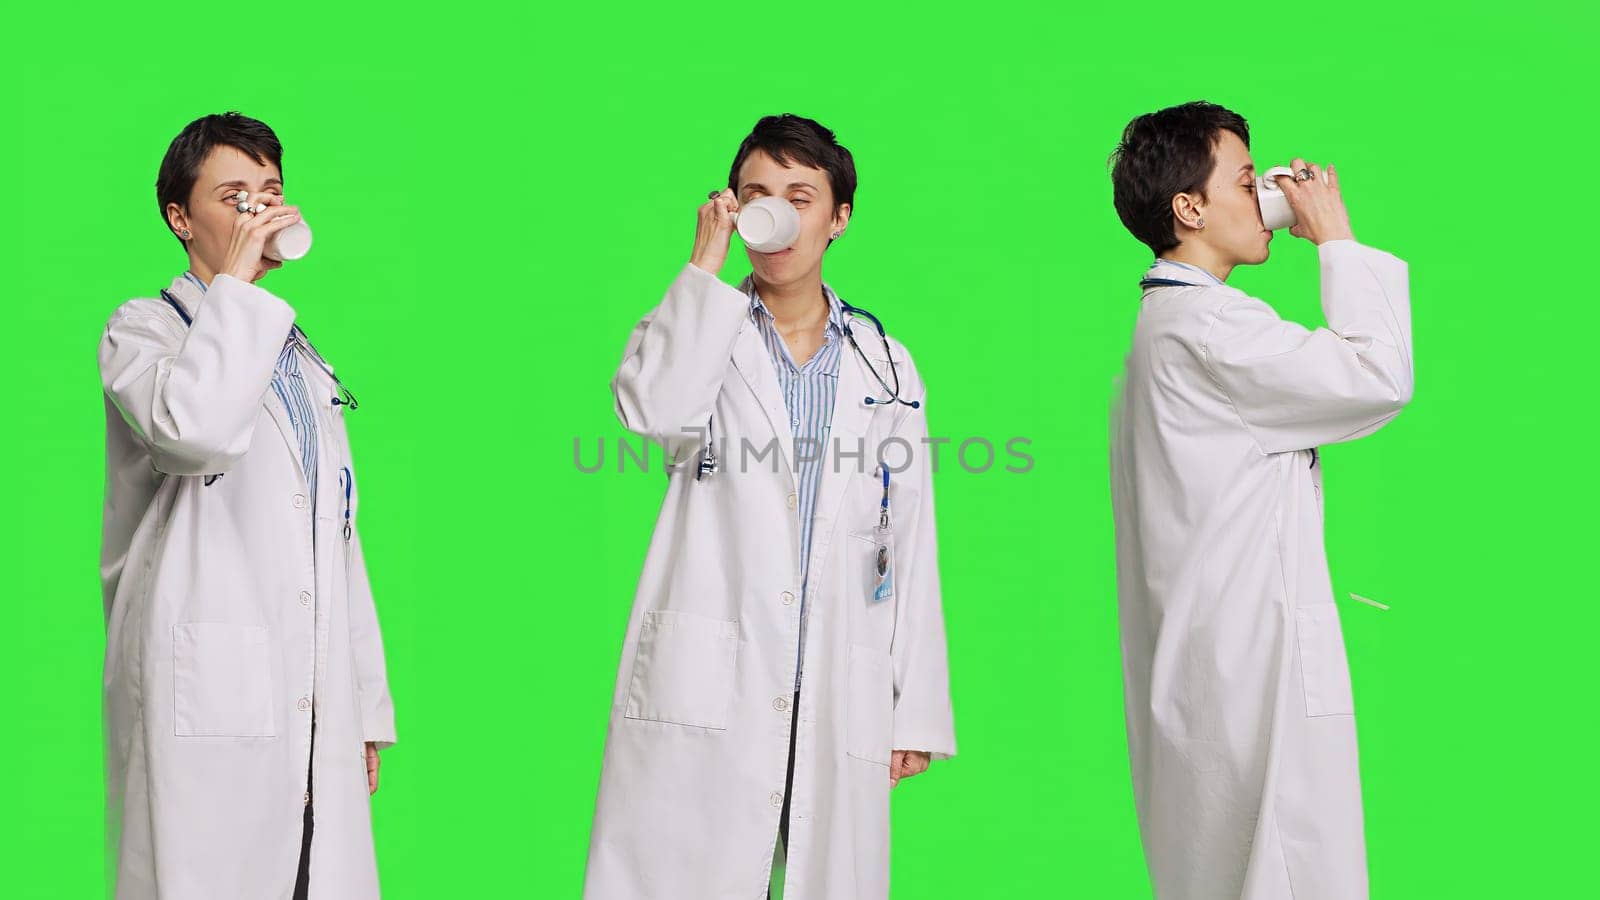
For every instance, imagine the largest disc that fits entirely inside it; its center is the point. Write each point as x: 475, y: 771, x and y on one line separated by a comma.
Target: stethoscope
x: 708, y: 458
x: 301, y: 341
x: 1149, y: 282
x: 894, y: 372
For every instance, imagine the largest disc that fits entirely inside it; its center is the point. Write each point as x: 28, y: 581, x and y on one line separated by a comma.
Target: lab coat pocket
x: 221, y: 680
x: 683, y: 670
x: 1324, y: 671
x: 869, y: 728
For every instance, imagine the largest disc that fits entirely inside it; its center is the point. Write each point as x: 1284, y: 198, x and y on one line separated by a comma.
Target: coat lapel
x: 851, y: 418
x: 280, y: 415
x: 755, y: 367
x: 320, y: 388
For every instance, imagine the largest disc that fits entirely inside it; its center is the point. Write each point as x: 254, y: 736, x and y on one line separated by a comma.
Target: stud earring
x: 1199, y: 223
x: 185, y: 234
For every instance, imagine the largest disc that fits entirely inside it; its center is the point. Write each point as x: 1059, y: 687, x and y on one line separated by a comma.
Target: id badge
x: 883, y: 566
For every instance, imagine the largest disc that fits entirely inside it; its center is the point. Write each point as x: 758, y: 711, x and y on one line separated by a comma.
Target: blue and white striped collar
x: 1182, y: 271
x: 758, y: 307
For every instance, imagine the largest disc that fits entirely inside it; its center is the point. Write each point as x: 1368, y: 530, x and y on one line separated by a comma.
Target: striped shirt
x: 289, y: 385
x: 808, y: 394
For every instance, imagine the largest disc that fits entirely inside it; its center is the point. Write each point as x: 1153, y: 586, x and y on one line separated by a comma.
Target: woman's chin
x: 775, y: 268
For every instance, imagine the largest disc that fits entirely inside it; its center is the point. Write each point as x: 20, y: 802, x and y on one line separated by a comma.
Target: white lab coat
x: 1240, y: 722
x: 693, y: 776
x: 223, y: 625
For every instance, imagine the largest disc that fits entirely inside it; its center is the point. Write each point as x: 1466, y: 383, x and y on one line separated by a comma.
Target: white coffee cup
x: 1275, y: 211
x: 292, y: 242
x: 768, y: 224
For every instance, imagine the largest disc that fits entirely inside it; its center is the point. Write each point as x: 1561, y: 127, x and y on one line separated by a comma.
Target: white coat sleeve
x: 191, y: 396
x: 366, y: 644
x: 923, y: 718
x: 676, y: 359
x: 1295, y: 388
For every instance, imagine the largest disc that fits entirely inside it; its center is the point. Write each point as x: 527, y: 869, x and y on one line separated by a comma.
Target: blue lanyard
x: 349, y: 482
x: 883, y: 513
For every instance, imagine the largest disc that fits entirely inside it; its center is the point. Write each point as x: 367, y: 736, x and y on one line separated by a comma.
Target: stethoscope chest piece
x: 708, y: 461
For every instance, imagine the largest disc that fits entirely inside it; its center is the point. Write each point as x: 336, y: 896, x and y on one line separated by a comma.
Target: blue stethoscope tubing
x: 894, y: 371
x: 1149, y: 283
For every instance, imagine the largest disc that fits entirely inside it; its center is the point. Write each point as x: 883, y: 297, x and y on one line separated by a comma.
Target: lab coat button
x: 781, y: 704
x: 792, y: 501
x: 299, y: 501
x: 776, y: 799
x: 306, y: 797
x: 303, y: 705
x: 305, y: 598
x: 788, y: 598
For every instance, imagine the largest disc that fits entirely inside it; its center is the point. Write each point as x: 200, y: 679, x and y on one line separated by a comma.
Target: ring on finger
x: 1304, y: 175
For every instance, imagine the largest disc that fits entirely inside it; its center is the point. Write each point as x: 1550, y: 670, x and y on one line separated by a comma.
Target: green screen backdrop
x: 499, y: 196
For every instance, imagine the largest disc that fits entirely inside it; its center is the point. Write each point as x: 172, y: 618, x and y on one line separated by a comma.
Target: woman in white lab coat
x: 237, y: 607
x: 1239, y: 713
x: 706, y: 716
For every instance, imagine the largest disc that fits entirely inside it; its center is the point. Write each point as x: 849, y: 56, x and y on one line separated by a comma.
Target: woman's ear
x: 841, y: 220
x: 178, y: 221
x: 1187, y: 212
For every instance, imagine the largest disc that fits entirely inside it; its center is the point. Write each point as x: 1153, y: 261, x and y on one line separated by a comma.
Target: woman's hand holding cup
x: 246, y: 257
x: 713, y: 232
x: 1318, y: 206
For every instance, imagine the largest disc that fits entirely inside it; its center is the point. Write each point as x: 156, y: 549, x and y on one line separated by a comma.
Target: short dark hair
x: 1165, y: 153
x: 188, y: 151
x: 795, y: 139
